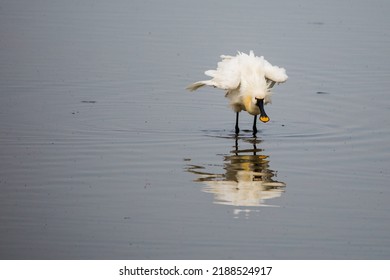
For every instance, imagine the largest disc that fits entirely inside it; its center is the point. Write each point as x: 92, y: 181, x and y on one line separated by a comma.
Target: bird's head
x: 255, y: 86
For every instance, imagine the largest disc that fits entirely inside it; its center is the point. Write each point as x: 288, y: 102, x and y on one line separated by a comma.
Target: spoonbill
x: 247, y: 80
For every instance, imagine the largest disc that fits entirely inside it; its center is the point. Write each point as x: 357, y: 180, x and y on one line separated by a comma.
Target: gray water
x: 105, y: 155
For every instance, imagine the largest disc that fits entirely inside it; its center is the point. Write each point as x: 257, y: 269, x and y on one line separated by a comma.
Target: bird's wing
x: 228, y: 75
x: 274, y: 73
x: 199, y: 84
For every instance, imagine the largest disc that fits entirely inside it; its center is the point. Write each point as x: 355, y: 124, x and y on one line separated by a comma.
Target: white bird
x: 248, y: 80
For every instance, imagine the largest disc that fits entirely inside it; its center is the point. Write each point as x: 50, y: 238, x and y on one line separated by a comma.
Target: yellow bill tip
x: 264, y: 119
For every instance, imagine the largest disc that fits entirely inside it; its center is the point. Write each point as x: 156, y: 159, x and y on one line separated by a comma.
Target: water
x: 104, y: 155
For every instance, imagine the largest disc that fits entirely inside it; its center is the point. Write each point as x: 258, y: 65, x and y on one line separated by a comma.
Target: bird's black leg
x: 254, y: 126
x: 237, y: 129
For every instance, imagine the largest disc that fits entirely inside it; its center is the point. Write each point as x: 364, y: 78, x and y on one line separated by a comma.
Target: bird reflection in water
x: 247, y: 180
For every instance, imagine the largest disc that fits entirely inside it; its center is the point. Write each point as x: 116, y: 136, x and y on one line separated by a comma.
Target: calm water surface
x: 104, y: 155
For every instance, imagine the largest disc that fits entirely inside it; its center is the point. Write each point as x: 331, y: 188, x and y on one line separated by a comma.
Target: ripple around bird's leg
x: 244, y: 134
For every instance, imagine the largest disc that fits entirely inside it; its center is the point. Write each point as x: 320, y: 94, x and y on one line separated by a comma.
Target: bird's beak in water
x: 263, y: 116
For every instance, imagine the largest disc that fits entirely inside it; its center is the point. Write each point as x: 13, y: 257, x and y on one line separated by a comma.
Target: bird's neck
x: 249, y: 106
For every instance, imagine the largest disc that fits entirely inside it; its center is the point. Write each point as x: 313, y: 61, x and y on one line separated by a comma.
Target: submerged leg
x: 237, y: 129
x: 254, y: 126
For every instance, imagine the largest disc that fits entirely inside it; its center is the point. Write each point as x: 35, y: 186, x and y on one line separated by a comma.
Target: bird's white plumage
x: 248, y: 80
x: 245, y: 78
